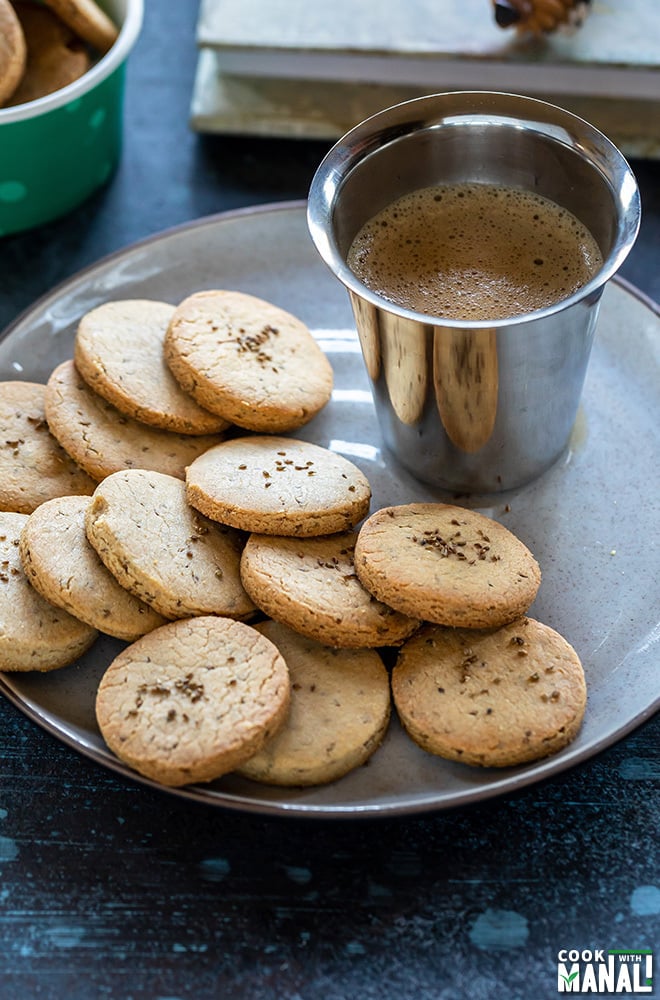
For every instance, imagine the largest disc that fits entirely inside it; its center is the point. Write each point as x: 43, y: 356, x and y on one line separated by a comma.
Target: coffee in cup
x: 474, y: 252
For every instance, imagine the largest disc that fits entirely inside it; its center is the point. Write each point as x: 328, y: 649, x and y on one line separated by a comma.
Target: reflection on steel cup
x: 475, y: 406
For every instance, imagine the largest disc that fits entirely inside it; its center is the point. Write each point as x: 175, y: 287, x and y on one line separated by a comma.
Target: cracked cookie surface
x: 193, y: 699
x: 65, y: 569
x: 33, y: 465
x: 338, y: 716
x: 165, y: 553
x: 119, y: 353
x: 102, y: 440
x: 248, y: 360
x: 310, y: 584
x: 492, y: 698
x: 278, y: 486
x: 34, y: 634
x: 446, y: 564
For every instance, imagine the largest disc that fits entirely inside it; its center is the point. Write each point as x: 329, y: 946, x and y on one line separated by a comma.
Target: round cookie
x: 102, y: 440
x: 278, y: 486
x: 193, y: 699
x: 34, y: 635
x: 119, y: 353
x: 64, y: 568
x: 56, y: 56
x: 256, y: 365
x: 310, y: 584
x: 446, y: 564
x: 86, y: 18
x: 33, y: 466
x: 164, y: 552
x: 339, y: 713
x: 492, y: 698
x: 12, y: 51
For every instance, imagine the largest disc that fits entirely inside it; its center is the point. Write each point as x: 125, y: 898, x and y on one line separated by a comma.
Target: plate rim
x: 423, y: 804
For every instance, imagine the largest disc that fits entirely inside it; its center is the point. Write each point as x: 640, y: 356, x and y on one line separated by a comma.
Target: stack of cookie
x: 153, y: 490
x: 46, y: 46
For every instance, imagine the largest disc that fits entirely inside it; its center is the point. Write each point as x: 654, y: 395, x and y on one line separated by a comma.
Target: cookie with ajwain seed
x: 33, y: 466
x: 119, y: 353
x: 193, y: 699
x: 12, y: 51
x: 251, y: 362
x: 165, y: 553
x: 310, y: 584
x: 339, y: 712
x: 493, y: 698
x: 446, y: 564
x: 278, y: 486
x: 63, y: 567
x: 34, y: 634
x: 102, y: 440
x: 88, y: 20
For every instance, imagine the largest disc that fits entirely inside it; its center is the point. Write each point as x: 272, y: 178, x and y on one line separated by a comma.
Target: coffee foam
x: 474, y: 252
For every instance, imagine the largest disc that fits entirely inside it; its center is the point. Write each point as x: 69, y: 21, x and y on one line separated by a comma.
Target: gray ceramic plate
x: 591, y: 521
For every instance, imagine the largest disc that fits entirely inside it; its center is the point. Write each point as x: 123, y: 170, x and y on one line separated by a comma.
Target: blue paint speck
x: 355, y: 948
x: 499, y: 930
x: 65, y: 937
x: 377, y: 891
x: 300, y: 875
x: 645, y: 901
x: 639, y: 769
x: 214, y: 869
x: 8, y: 850
x: 3, y: 814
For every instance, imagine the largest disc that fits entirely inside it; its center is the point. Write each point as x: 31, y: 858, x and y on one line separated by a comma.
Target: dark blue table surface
x: 109, y: 889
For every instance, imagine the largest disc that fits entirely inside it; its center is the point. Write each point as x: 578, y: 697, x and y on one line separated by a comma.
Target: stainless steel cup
x: 466, y: 406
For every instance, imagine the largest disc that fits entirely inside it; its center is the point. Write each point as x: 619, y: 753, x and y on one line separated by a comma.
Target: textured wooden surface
x: 108, y: 889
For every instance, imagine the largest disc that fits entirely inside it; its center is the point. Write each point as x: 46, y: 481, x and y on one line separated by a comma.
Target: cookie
x: 102, y: 440
x: 164, y: 552
x: 193, y: 699
x: 55, y: 55
x: 446, y: 564
x: 278, y: 486
x: 33, y: 466
x: 254, y: 364
x: 339, y: 713
x: 310, y: 584
x: 64, y: 568
x: 119, y: 353
x: 492, y: 698
x: 13, y: 51
x: 34, y: 635
x: 86, y: 18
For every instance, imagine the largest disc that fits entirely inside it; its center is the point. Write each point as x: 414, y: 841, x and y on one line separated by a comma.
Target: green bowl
x: 54, y: 152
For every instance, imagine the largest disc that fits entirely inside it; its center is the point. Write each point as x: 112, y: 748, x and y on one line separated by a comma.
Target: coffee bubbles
x: 474, y: 252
